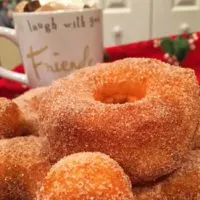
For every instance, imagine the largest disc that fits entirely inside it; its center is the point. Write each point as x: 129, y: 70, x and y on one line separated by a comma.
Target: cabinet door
x: 175, y: 16
x: 126, y: 21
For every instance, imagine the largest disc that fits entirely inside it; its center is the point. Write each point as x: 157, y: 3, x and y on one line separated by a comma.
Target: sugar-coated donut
x: 11, y: 119
x: 23, y: 165
x: 197, y: 138
x: 20, y: 6
x: 183, y: 184
x: 29, y: 104
x: 51, y: 6
x: 141, y: 112
x: 86, y: 176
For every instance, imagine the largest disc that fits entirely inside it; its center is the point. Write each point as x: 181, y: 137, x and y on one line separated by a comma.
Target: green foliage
x: 178, y: 47
x: 167, y: 45
x: 181, y: 48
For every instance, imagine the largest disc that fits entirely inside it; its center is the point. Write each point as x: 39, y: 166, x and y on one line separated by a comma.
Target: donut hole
x: 120, y: 93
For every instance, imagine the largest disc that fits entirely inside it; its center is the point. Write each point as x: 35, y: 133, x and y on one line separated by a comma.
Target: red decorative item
x: 148, y: 49
x: 11, y: 89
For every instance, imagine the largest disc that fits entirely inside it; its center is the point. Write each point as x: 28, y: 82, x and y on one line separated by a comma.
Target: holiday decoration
x: 176, y: 49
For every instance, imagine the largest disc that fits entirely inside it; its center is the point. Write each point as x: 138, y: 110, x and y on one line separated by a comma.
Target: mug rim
x: 55, y: 12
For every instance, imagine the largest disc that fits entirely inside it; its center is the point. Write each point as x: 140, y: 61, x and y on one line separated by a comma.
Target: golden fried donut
x: 23, y: 165
x: 184, y: 184
x: 197, y: 138
x: 85, y: 176
x: 20, y: 6
x: 141, y: 112
x: 11, y: 119
x: 29, y: 104
x: 52, y: 6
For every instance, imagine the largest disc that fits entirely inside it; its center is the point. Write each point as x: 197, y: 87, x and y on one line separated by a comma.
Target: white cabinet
x: 126, y: 21
x: 174, y: 16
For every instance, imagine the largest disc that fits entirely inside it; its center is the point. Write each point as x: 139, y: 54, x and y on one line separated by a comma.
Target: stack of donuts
x: 127, y: 130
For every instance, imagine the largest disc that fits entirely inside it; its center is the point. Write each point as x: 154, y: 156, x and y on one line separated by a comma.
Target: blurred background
x: 6, y: 9
x: 126, y: 21
x: 9, y: 53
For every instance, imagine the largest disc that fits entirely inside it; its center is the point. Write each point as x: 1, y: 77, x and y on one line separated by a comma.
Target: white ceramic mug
x: 55, y: 43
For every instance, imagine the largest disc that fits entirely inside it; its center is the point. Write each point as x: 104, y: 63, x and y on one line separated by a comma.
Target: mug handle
x: 10, y: 34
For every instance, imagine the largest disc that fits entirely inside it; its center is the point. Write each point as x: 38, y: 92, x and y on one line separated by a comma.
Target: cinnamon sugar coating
x: 23, y: 165
x: 11, y: 119
x: 51, y: 6
x: 197, y: 138
x: 86, y: 176
x: 29, y: 104
x: 141, y: 112
x: 183, y: 184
